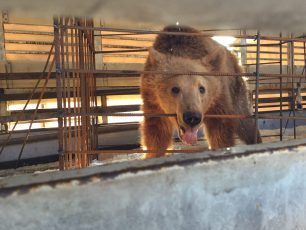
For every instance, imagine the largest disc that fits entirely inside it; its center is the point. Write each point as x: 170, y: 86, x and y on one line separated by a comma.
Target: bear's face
x: 187, y: 96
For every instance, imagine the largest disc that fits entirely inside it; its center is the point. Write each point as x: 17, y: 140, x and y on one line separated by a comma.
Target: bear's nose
x: 192, y: 118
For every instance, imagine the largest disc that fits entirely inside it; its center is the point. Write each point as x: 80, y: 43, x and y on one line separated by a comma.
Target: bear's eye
x: 202, y: 89
x: 175, y: 90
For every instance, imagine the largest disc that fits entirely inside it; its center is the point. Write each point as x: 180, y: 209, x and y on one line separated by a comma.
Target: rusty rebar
x: 258, y: 39
x: 281, y: 88
x: 135, y: 31
x: 58, y: 70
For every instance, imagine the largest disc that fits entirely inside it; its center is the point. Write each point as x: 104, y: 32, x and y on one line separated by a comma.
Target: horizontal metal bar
x: 252, y: 45
x: 178, y: 33
x: 108, y: 109
x: 36, y: 75
x: 264, y: 63
x: 115, y: 46
x: 274, y: 59
x: 28, y: 32
x: 139, y: 39
x: 121, y: 51
x: 23, y: 42
x: 27, y: 24
x: 30, y: 52
x: 49, y: 95
x: 49, y: 134
x: 272, y: 52
x: 175, y: 73
x: 62, y: 114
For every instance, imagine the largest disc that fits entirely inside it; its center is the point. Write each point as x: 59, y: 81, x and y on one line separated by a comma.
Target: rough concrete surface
x: 259, y: 191
x: 273, y: 15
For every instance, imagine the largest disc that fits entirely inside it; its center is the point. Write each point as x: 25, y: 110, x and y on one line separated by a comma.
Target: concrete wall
x: 252, y: 187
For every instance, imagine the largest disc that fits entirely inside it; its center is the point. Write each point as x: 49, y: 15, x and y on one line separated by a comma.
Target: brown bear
x: 192, y: 96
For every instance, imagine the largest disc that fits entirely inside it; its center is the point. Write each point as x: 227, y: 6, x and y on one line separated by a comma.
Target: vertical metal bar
x: 292, y: 85
x: 94, y: 90
x: 257, y: 84
x: 84, y: 136
x: 64, y: 92
x: 281, y: 88
x: 74, y: 94
x: 304, y: 47
x: 58, y: 90
x: 243, y: 50
x: 78, y: 91
x: 68, y: 95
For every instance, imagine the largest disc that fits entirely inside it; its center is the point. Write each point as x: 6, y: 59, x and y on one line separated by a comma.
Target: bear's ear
x: 216, y: 60
x: 156, y: 57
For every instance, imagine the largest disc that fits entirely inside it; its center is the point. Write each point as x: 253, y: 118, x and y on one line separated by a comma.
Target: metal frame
x: 76, y: 75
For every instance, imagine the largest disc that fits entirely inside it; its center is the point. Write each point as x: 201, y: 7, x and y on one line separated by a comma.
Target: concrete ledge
x: 249, y: 187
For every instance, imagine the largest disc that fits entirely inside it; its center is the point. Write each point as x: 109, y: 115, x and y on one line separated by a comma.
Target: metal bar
x: 257, y: 85
x: 27, y: 24
x: 49, y: 115
x: 263, y: 63
x: 273, y: 52
x: 135, y: 73
x: 28, y: 100
x: 8, y: 41
x: 78, y: 139
x: 120, y: 91
x: 252, y: 45
x: 36, y: 75
x: 121, y: 51
x: 24, y: 75
x: 35, y: 112
x: 83, y: 96
x: 73, y: 56
x: 59, y: 89
x: 284, y: 39
x: 64, y: 93
x: 115, y: 46
x: 281, y: 88
x: 175, y: 73
x: 68, y: 93
x: 291, y: 50
x: 29, y: 32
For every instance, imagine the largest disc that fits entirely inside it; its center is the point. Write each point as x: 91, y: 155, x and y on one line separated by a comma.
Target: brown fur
x: 223, y: 95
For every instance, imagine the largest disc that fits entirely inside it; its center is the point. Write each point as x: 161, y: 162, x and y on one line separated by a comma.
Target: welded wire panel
x: 76, y: 92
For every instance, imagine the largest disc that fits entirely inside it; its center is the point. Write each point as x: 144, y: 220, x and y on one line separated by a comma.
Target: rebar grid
x: 76, y: 92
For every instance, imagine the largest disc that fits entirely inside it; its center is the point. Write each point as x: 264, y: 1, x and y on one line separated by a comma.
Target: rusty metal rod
x: 28, y: 100
x: 284, y: 39
x: 132, y: 151
x: 281, y: 89
x: 35, y: 112
x: 121, y: 51
x: 207, y: 116
x: 28, y: 32
x: 26, y: 42
x: 175, y: 73
x: 263, y: 63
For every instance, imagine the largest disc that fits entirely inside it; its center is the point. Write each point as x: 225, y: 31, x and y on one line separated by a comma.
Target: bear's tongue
x: 190, y: 136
